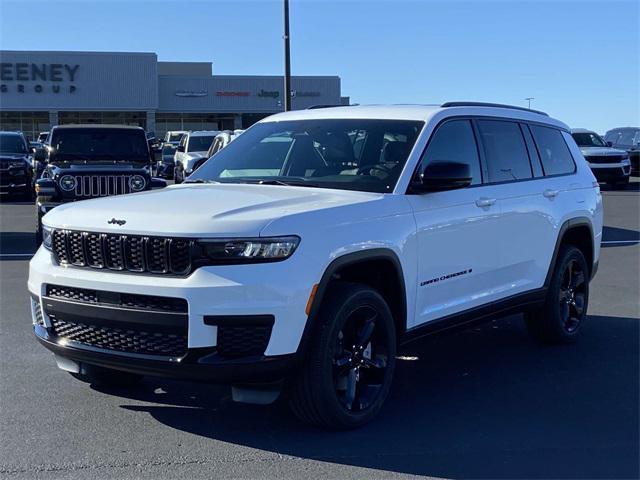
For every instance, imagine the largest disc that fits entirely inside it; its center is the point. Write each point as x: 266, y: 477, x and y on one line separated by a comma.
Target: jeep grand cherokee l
x: 323, y: 240
x: 608, y: 164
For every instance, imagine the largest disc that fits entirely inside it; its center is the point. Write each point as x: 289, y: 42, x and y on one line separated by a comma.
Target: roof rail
x: 495, y: 105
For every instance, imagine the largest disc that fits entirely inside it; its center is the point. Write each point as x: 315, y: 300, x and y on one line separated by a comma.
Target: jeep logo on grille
x: 115, y: 221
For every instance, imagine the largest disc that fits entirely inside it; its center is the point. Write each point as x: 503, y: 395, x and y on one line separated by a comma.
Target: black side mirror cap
x: 180, y: 148
x: 45, y: 187
x: 609, y: 144
x: 157, y: 183
x: 443, y: 175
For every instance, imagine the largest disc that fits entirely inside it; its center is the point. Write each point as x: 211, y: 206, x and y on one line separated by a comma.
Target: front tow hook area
x: 257, y: 394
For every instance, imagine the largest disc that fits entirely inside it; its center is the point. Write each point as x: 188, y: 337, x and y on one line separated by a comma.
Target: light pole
x: 529, y: 100
x: 287, y: 60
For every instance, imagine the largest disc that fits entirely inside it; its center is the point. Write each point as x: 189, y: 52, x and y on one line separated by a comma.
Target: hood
x: 207, y: 210
x: 600, y: 151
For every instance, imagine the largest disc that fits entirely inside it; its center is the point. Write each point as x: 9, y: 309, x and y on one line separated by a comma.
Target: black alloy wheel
x: 349, y: 363
x: 560, y: 318
x: 572, y: 297
x: 360, y: 361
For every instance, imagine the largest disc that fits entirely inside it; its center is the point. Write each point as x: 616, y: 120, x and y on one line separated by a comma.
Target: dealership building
x: 42, y: 89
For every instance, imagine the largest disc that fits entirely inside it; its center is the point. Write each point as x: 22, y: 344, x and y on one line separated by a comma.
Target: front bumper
x: 610, y: 172
x: 202, y: 364
x: 165, y: 170
x: 10, y: 184
x: 232, y: 293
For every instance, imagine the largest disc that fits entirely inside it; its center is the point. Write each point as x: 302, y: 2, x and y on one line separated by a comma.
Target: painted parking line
x: 607, y: 242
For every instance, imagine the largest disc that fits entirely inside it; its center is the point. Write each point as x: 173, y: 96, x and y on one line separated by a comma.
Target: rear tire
x: 347, y: 373
x: 562, y: 316
x: 106, y: 377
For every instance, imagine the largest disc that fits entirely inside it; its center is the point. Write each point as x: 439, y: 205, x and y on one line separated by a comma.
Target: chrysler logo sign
x: 48, y: 76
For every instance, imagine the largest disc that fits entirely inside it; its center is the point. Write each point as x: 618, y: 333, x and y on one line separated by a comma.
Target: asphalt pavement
x: 484, y: 403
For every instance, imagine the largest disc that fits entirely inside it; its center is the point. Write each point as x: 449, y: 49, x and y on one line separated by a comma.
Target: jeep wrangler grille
x: 132, y: 253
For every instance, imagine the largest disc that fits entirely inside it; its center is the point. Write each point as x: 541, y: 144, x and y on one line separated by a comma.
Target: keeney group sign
x: 38, y: 77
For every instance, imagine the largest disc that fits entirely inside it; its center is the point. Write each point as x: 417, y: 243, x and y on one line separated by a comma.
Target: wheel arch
x: 347, y: 267
x: 579, y: 233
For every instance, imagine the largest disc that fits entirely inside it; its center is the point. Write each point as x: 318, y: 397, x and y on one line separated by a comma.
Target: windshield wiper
x: 200, y: 180
x: 288, y: 183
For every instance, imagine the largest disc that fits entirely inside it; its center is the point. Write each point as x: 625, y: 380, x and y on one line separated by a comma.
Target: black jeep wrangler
x: 88, y: 161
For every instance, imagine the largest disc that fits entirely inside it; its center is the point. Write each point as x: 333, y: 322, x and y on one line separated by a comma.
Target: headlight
x: 252, y: 250
x: 137, y: 183
x: 625, y: 161
x: 46, y: 237
x: 68, y: 183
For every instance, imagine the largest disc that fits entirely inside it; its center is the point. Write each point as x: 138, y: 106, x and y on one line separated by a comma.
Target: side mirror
x: 157, y: 183
x: 180, y: 148
x: 609, y: 144
x: 40, y: 155
x: 45, y: 187
x: 442, y: 175
x: 32, y: 149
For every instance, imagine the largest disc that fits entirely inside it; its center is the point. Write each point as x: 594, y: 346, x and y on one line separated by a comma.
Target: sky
x: 580, y: 60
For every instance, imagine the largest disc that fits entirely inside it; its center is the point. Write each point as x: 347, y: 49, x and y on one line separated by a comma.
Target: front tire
x: 348, y: 370
x: 565, y: 309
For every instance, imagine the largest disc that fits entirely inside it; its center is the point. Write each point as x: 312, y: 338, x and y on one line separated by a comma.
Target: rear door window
x: 553, y: 150
x: 505, y: 151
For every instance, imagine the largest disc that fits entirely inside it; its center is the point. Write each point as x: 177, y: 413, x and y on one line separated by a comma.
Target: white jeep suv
x: 192, y: 147
x: 316, y: 244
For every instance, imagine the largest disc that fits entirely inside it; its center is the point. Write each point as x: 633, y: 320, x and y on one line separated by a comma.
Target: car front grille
x: 132, y: 253
x: 605, y: 158
x: 137, y: 339
x: 152, y: 303
x: 101, y: 185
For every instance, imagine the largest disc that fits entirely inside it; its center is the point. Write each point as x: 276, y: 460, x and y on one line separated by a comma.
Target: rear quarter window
x: 553, y: 150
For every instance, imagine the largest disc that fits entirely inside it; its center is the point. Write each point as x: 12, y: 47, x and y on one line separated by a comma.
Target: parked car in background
x: 608, y: 164
x: 89, y: 161
x: 627, y: 138
x: 222, y: 140
x: 166, y: 164
x: 174, y: 136
x: 192, y: 147
x: 16, y: 169
x: 42, y: 137
x: 304, y: 261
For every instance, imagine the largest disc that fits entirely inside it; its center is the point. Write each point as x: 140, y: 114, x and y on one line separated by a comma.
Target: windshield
x: 199, y: 144
x: 94, y: 144
x: 350, y: 154
x: 12, y: 144
x: 175, y: 137
x: 588, y: 139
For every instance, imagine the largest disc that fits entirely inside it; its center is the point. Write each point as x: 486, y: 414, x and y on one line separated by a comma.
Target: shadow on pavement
x: 485, y: 403
x: 17, y: 243
x: 615, y: 234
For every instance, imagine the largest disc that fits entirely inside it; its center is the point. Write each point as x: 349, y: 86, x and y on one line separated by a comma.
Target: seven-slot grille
x: 131, y: 253
x: 101, y: 185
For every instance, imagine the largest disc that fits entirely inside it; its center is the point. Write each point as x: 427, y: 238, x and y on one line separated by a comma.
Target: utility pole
x: 529, y: 100
x: 287, y: 60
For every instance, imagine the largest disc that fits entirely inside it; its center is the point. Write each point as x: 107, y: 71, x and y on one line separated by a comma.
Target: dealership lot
x: 483, y: 403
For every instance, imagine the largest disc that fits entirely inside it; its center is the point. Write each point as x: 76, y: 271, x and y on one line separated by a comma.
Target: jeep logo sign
x: 37, y: 72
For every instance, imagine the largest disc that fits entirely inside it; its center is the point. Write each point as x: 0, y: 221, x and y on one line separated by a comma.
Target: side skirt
x: 477, y: 315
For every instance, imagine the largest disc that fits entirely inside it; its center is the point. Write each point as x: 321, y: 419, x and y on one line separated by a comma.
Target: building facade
x: 42, y: 89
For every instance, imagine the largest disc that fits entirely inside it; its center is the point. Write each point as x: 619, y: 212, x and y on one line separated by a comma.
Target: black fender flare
x: 341, y: 262
x: 566, y: 226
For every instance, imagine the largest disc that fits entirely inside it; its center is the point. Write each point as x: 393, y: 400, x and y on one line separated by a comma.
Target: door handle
x: 485, y: 202
x: 550, y: 193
